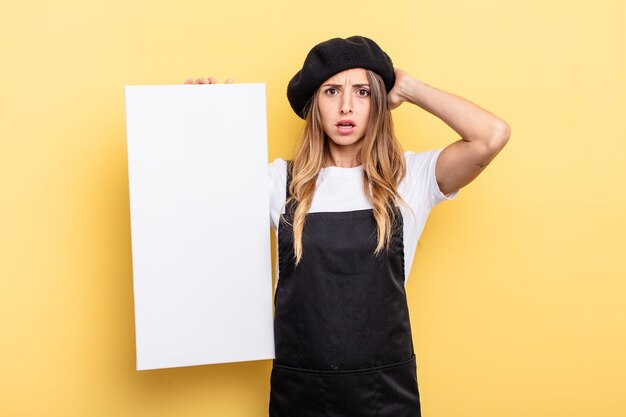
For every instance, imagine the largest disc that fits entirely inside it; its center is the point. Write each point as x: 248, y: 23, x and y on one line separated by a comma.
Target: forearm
x: 470, y: 121
x: 483, y: 135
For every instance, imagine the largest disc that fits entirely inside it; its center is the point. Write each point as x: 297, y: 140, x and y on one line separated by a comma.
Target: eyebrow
x: 340, y: 85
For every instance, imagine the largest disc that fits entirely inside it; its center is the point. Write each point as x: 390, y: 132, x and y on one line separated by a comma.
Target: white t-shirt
x: 341, y: 189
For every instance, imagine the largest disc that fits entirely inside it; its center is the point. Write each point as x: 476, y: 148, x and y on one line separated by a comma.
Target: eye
x: 363, y: 92
x: 330, y: 91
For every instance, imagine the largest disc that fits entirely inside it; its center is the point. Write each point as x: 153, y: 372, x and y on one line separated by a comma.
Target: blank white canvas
x: 199, y: 208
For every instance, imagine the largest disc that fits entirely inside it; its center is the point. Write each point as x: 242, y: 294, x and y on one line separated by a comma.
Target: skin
x: 345, y: 97
x: 483, y: 135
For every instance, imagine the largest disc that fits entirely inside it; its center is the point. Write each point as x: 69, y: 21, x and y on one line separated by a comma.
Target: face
x: 344, y: 106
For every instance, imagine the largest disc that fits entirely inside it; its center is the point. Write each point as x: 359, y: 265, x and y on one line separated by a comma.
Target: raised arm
x: 483, y: 135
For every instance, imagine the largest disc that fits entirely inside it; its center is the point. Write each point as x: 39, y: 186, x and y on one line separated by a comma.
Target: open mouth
x: 345, y: 124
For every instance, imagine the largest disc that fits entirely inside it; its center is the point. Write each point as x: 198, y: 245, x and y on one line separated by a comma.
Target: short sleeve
x: 420, y: 188
x: 277, y: 177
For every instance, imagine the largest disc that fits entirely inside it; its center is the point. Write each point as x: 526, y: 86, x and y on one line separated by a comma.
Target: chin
x: 344, y: 141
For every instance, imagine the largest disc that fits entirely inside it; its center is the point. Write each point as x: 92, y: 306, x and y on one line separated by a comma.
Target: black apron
x: 341, y: 325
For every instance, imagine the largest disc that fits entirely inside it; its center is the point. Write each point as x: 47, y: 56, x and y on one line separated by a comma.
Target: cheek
x: 366, y: 109
x: 324, y: 109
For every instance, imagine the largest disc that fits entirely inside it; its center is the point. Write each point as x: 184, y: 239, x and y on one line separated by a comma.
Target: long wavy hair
x: 381, y: 157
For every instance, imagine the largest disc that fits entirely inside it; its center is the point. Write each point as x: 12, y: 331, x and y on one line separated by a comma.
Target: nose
x: 345, y: 104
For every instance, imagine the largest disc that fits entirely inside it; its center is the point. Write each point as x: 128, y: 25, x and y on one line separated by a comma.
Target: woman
x: 348, y: 212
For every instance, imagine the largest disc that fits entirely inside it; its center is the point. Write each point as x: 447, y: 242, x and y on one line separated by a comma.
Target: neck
x: 343, y: 156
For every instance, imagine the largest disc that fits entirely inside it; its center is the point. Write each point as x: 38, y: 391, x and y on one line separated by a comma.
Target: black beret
x: 331, y: 57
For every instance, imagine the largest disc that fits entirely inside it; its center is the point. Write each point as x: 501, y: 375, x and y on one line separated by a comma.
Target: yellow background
x: 518, y: 292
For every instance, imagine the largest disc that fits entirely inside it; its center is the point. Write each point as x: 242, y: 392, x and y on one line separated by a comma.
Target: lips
x: 345, y: 127
x: 345, y: 123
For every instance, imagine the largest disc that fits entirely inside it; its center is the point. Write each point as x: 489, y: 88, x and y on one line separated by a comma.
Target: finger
x: 212, y: 80
x: 202, y: 81
x: 189, y: 80
x: 229, y: 81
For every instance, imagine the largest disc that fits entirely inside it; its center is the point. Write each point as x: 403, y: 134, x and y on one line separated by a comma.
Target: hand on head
x: 395, y: 96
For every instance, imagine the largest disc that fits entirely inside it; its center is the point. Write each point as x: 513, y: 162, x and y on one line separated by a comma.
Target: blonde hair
x: 381, y: 157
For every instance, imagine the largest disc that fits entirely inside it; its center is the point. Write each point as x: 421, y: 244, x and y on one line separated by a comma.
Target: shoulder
x: 277, y: 176
x: 421, y: 161
x: 420, y: 166
x: 277, y: 168
x: 420, y: 180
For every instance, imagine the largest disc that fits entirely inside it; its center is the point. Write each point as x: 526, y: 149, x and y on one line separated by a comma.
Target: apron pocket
x: 294, y: 393
x: 397, y: 392
x: 384, y: 391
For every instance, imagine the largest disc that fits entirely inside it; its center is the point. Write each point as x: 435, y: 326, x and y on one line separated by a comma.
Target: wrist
x: 410, y: 89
